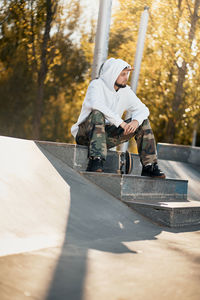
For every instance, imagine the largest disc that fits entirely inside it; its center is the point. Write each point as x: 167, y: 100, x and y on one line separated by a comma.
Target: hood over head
x: 111, y: 70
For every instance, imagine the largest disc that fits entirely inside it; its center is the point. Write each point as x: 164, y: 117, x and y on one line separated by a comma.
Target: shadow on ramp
x: 96, y: 221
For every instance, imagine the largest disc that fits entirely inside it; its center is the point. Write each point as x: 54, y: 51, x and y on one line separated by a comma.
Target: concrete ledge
x: 139, y: 188
x: 111, y: 183
x: 156, y: 199
x: 77, y: 157
x: 194, y: 157
x: 181, y: 153
x: 136, y: 188
x: 162, y: 201
x: 179, y: 215
x: 63, y: 151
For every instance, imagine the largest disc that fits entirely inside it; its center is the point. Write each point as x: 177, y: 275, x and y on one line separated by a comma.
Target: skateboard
x: 125, y: 165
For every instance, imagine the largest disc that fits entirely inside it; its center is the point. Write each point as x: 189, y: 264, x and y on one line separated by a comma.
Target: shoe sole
x: 161, y: 177
x: 98, y: 170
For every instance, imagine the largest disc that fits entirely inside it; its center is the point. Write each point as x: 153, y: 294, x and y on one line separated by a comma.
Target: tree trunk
x: 178, y: 97
x: 42, y: 72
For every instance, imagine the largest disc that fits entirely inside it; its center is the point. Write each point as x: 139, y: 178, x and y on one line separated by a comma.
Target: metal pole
x: 102, y: 36
x: 138, y: 58
x: 140, y: 48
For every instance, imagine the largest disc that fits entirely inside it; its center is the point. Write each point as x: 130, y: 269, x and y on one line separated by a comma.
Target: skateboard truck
x: 125, y: 163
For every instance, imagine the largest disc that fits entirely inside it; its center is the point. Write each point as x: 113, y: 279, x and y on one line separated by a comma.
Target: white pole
x: 102, y: 36
x: 138, y: 58
x: 140, y: 48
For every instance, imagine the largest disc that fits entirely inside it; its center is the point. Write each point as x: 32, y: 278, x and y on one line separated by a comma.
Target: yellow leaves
x: 163, y: 117
x: 167, y: 46
x: 87, y: 47
x: 57, y: 60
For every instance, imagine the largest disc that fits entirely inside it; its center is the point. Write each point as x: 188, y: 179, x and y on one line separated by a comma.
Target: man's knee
x: 97, y: 117
x: 143, y: 130
x: 146, y: 124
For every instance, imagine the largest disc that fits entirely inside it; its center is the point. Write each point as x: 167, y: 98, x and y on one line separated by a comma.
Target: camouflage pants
x: 99, y: 137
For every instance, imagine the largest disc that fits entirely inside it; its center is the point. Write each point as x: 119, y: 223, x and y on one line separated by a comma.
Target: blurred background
x: 46, y: 54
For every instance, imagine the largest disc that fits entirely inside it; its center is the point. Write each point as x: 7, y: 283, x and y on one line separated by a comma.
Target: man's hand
x: 130, y: 127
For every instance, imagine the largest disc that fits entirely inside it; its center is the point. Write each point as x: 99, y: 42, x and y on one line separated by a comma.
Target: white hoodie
x: 102, y: 96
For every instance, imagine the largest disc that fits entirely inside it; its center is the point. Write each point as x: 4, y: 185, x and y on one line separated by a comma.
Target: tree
x: 186, y: 63
x: 169, y: 73
x: 41, y: 67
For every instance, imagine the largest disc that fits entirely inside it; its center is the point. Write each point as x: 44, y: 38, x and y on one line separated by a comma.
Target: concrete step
x: 77, y: 157
x: 162, y: 201
x: 140, y: 189
x: 171, y: 214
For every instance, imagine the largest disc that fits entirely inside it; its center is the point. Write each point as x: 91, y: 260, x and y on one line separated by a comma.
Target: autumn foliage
x: 45, y: 70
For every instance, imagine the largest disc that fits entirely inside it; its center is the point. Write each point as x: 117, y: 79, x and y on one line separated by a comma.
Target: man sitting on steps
x: 101, y: 127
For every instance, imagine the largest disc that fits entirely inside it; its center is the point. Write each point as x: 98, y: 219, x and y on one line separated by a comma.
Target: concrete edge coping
x: 153, y: 178
x: 100, y: 174
x: 55, y: 143
x: 76, y: 146
x: 133, y: 176
x: 179, y: 146
x: 170, y: 205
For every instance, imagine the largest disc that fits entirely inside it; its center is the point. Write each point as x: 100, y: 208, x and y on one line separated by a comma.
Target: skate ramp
x: 185, y: 171
x: 87, y: 244
x: 35, y: 194
x: 34, y: 198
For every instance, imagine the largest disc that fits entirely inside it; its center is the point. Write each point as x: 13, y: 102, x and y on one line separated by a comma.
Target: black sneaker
x: 95, y: 165
x: 152, y: 171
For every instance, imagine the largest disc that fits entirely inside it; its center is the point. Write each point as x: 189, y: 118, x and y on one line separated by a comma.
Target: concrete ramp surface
x: 34, y: 198
x: 62, y: 237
